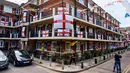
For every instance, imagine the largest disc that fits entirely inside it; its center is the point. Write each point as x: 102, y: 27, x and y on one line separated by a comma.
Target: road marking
x: 127, y: 68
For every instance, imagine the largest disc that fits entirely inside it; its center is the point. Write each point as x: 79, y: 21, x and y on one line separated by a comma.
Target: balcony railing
x: 41, y: 34
x: 11, y: 35
x: 5, y: 35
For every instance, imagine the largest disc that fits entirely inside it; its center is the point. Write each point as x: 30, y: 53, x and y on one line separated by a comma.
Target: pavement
x: 74, y: 68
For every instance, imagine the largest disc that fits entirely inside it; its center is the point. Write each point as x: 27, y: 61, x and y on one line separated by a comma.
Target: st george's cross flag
x: 62, y: 10
x: 25, y: 16
x: 45, y: 33
x: 63, y: 21
x: 99, y: 36
x: 91, y: 20
x: 63, y: 32
x: 35, y: 17
x: 23, y: 32
x: 79, y: 34
x: 4, y: 22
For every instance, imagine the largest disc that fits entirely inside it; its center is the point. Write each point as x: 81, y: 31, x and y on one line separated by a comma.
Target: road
x: 27, y: 69
x: 107, y: 67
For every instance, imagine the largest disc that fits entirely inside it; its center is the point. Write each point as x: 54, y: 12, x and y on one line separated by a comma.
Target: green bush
x: 87, y: 55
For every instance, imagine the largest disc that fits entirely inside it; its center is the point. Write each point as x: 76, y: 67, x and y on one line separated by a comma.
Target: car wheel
x: 6, y: 67
x: 14, y: 63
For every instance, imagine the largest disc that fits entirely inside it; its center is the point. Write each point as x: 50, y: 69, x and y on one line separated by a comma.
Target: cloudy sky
x: 117, y: 10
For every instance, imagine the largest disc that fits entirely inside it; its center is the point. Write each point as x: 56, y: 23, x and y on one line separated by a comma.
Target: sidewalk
x: 73, y: 68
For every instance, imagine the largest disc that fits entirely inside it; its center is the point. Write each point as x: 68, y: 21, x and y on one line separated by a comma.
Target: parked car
x: 19, y: 57
x: 3, y: 61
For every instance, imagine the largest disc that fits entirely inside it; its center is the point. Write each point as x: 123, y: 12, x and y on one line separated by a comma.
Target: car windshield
x: 1, y: 54
x: 21, y: 53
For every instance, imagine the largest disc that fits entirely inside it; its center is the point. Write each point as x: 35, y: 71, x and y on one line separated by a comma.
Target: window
x: 1, y: 43
x: 90, y: 30
x: 8, y: 9
x: 39, y: 45
x: 13, y: 44
x: 89, y: 6
x: 54, y: 46
x: 45, y: 0
x: 91, y: 46
x: 81, y: 1
x: 67, y: 46
x: 17, y: 12
x: 78, y: 47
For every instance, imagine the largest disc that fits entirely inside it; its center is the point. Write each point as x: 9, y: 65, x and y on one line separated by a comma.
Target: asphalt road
x: 107, y: 67
x: 26, y: 69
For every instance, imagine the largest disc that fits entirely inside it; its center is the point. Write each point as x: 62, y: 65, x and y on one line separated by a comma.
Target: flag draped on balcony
x: 35, y: 17
x: 99, y: 36
x: 25, y: 16
x: 5, y: 22
x: 63, y: 32
x: 62, y: 10
x: 20, y: 22
x: 79, y: 34
x: 63, y: 21
x: 91, y: 20
x: 45, y: 33
x: 23, y: 32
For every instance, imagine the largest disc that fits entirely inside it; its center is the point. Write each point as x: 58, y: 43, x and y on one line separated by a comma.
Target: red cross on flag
x: 99, y: 36
x: 20, y: 22
x: 23, y: 32
x: 63, y: 21
x: 45, y: 33
x: 79, y: 34
x: 35, y: 17
x: 63, y: 32
x: 63, y: 10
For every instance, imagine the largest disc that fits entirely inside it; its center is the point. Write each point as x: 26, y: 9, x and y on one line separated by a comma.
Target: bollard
x: 107, y: 56
x: 95, y: 61
x: 104, y: 58
x: 62, y: 64
x: 32, y: 57
x: 40, y: 59
x: 50, y: 61
x: 82, y: 65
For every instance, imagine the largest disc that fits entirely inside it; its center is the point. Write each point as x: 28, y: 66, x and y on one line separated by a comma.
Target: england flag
x: 63, y: 21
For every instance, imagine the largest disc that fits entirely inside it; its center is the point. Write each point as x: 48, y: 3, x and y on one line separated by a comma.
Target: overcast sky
x: 117, y: 10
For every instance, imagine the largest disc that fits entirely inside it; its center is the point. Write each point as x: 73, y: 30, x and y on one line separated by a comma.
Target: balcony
x: 5, y: 24
x: 62, y: 33
x: 45, y: 14
x: 10, y: 36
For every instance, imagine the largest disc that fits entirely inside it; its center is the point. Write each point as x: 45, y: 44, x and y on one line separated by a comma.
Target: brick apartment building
x: 61, y: 25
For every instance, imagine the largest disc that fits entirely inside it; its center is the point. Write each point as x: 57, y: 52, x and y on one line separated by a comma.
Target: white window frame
x: 67, y: 46
x: 8, y: 9
x: 37, y: 45
x: 1, y: 43
x: 81, y: 1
